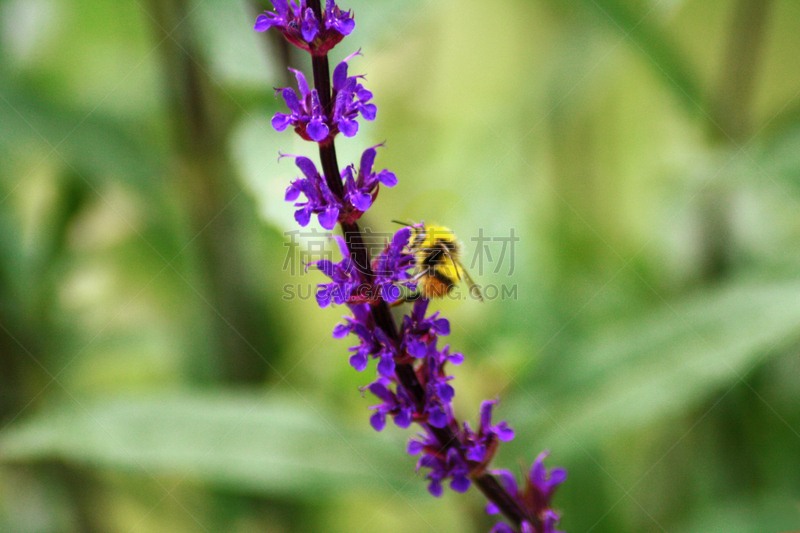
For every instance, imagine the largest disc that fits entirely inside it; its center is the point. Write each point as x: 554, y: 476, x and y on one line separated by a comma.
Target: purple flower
x: 362, y: 324
x: 359, y: 193
x: 345, y: 278
x: 451, y: 466
x: 300, y: 26
x: 540, y: 485
x: 535, y: 497
x: 480, y: 446
x: 398, y: 405
x: 312, y: 123
x: 392, y: 268
x: 350, y: 99
x: 455, y: 358
x: 361, y: 188
x: 320, y: 200
x: 419, y: 326
x: 306, y: 116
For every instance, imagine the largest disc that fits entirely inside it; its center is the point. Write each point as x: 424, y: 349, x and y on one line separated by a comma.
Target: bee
x: 437, y: 255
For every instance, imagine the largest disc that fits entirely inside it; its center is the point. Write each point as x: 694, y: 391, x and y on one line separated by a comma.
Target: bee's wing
x: 460, y: 270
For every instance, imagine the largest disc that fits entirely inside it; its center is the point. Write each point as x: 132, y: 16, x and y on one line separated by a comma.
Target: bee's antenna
x: 402, y: 223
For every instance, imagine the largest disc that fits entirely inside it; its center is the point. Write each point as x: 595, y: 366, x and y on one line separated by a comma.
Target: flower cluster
x: 412, y: 382
x: 301, y: 27
x: 311, y: 122
x: 361, y: 189
x: 349, y: 285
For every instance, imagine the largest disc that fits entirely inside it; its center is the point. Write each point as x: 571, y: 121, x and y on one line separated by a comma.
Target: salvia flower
x: 298, y: 23
x: 361, y: 187
x: 306, y: 114
x: 398, y: 405
x: 359, y: 192
x: 534, y: 499
x: 350, y: 99
x: 346, y: 279
x: 448, y: 466
x: 391, y: 268
x: 540, y: 485
x: 310, y: 121
x: 319, y: 199
x: 363, y: 326
x: 480, y: 446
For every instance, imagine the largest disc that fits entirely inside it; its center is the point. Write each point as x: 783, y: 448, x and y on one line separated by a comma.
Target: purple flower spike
x: 300, y: 26
x: 412, y: 383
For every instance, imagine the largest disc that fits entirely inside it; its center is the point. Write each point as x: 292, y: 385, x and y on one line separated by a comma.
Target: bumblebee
x: 437, y: 255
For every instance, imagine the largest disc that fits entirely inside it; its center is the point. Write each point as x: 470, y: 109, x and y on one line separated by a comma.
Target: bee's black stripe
x: 434, y: 256
x: 444, y: 279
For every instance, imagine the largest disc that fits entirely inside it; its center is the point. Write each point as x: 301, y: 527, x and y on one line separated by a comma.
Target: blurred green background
x: 154, y: 378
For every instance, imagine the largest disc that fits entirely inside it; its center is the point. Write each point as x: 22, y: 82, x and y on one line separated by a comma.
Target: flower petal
x: 339, y: 76
x: 414, y: 447
x: 386, y: 365
x: 341, y: 331
x: 403, y: 419
x: 302, y: 84
x: 378, y: 421
x: 303, y: 216
x: 349, y: 128
x: 328, y: 218
x: 460, y: 483
x: 317, y: 130
x: 263, y: 23
x: 361, y: 200
x: 358, y: 361
x: 292, y: 193
x: 435, y: 488
x: 387, y: 178
x: 310, y: 27
x: 307, y: 167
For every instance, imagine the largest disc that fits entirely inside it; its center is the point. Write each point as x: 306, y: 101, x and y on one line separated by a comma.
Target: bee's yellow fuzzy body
x: 437, y: 253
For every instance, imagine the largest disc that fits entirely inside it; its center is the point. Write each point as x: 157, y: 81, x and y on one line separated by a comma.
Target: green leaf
x: 635, y: 373
x: 772, y: 512
x: 273, y: 445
